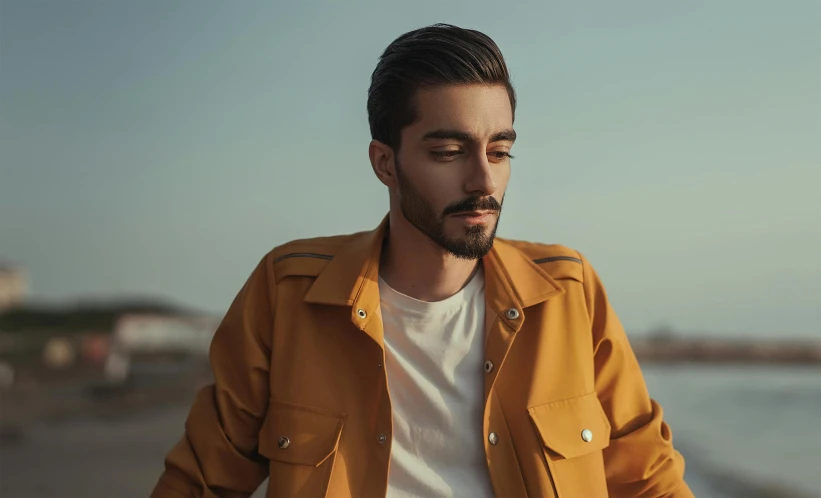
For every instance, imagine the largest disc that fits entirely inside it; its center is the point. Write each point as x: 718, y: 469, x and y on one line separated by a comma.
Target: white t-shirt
x: 434, y: 356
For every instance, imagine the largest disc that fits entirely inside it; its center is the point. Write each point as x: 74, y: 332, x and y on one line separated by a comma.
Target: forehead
x: 479, y: 109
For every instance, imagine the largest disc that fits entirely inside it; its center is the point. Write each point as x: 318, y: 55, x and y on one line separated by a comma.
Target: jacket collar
x: 351, y: 278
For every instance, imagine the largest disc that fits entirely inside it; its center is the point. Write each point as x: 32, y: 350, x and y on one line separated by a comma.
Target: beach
x: 115, y: 446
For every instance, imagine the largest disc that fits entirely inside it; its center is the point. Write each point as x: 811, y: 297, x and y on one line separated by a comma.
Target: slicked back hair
x: 437, y: 55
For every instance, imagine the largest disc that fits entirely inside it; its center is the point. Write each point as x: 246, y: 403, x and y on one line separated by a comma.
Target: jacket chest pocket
x: 573, y: 433
x: 301, y: 444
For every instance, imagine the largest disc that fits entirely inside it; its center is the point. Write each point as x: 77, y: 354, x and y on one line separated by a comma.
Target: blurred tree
x: 662, y: 333
x: 99, y: 316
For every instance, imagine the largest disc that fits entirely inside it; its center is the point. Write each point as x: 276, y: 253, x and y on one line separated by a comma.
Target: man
x: 427, y: 358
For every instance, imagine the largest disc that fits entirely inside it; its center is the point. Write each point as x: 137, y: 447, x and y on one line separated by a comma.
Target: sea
x: 744, y: 431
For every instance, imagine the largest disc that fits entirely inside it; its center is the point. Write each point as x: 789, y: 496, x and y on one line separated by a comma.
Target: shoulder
x: 558, y: 261
x: 306, y: 257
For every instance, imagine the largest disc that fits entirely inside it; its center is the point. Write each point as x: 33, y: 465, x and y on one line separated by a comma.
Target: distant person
x: 427, y: 358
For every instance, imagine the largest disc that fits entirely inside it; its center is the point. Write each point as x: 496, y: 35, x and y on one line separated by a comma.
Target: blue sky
x: 162, y: 148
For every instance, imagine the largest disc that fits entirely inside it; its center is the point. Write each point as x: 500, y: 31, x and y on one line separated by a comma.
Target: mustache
x: 473, y: 204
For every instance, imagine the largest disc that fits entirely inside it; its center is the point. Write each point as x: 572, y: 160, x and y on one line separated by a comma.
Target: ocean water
x: 751, y: 425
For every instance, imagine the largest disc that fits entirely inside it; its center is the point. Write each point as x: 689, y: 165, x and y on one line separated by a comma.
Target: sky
x: 160, y: 148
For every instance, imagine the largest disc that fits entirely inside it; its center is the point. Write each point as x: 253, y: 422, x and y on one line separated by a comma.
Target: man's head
x: 441, y: 109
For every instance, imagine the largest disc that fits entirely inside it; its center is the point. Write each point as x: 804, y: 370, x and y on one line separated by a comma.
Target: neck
x: 413, y: 264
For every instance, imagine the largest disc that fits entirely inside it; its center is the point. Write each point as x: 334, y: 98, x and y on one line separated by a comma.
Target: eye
x: 446, y: 154
x: 501, y: 154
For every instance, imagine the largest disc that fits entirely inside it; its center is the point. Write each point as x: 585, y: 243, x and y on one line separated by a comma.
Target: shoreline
x: 138, y: 399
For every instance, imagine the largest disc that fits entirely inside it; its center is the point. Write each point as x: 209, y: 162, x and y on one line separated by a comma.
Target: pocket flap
x: 572, y: 427
x: 299, y: 435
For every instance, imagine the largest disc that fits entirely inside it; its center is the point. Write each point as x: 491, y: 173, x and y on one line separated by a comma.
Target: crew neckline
x: 393, y: 297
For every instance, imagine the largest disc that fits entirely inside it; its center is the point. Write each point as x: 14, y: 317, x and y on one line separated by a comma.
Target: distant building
x: 13, y: 286
x: 145, y: 333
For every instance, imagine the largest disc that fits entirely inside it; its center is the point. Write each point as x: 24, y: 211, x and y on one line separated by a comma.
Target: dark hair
x: 435, y: 55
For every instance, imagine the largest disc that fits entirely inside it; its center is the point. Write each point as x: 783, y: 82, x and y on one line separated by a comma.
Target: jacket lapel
x: 351, y: 278
x: 512, y: 284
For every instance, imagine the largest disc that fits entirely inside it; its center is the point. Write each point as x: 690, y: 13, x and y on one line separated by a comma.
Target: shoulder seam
x: 303, y: 255
x: 557, y: 258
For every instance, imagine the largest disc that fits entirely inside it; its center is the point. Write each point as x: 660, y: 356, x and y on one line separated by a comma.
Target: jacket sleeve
x: 217, y: 455
x: 640, y: 460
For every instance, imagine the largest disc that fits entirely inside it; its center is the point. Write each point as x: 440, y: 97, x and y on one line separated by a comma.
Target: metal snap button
x: 361, y: 313
x: 492, y: 438
x: 512, y: 314
x: 382, y: 438
x: 283, y: 442
x: 587, y: 435
x: 488, y: 366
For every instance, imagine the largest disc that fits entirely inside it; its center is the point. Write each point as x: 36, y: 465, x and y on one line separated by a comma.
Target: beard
x: 474, y: 244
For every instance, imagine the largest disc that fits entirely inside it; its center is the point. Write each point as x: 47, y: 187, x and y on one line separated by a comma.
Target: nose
x: 480, y: 181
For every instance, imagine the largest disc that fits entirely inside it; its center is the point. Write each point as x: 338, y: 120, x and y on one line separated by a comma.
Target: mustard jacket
x: 301, y: 394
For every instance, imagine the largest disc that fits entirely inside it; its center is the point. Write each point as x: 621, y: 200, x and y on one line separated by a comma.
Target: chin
x: 461, y: 230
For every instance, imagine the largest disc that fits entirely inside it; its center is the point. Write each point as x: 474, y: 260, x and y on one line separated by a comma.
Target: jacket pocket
x: 573, y: 433
x: 301, y: 444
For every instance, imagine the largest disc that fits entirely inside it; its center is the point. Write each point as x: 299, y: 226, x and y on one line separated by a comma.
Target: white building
x: 141, y: 334
x: 147, y: 333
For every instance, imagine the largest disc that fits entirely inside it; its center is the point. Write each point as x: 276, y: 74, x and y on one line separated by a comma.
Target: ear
x: 382, y: 162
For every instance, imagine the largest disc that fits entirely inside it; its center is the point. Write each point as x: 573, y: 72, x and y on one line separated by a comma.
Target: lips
x: 476, y: 217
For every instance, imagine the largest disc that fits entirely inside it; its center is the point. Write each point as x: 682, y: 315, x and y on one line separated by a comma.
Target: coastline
x: 132, y: 404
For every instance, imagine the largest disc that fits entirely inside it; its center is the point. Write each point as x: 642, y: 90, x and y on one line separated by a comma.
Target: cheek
x: 437, y: 187
x: 441, y: 196
x: 436, y: 202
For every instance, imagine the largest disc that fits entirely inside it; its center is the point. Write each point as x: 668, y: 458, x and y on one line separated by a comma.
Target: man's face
x: 454, y: 164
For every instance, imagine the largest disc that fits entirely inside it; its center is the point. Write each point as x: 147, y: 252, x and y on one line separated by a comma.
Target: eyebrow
x: 463, y: 136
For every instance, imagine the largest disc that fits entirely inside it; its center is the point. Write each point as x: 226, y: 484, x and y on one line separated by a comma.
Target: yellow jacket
x: 301, y: 394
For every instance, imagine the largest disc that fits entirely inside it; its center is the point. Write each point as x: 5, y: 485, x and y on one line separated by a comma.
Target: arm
x: 217, y: 455
x: 641, y: 460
